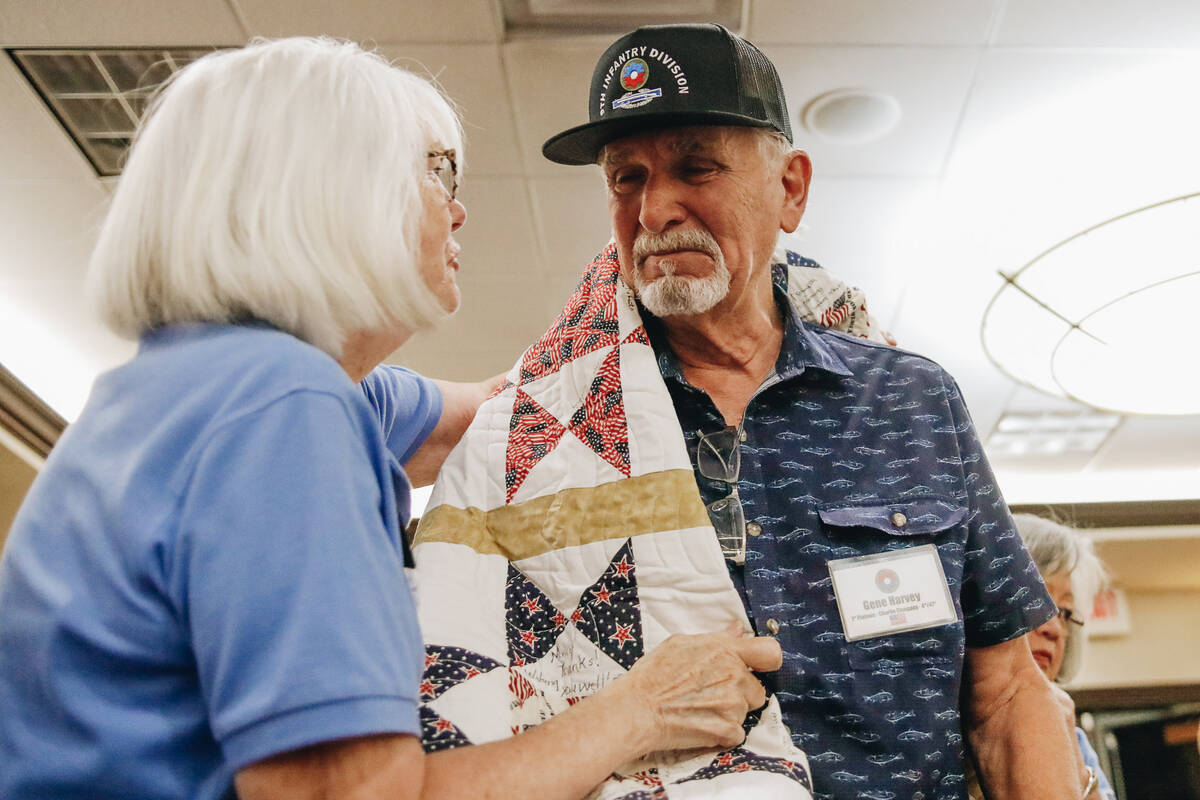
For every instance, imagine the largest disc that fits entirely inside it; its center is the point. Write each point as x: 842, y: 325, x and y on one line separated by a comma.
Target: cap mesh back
x: 762, y: 92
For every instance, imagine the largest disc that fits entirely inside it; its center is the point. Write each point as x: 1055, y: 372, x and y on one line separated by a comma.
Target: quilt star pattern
x: 565, y: 538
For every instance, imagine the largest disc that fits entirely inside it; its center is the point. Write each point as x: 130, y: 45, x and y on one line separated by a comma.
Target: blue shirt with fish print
x: 844, y: 435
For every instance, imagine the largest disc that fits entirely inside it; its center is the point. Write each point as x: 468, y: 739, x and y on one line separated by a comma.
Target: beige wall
x: 1163, y: 646
x: 1159, y: 570
x: 16, y: 474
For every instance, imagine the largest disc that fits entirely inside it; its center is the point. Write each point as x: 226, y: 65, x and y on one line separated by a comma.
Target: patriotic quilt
x: 565, y: 537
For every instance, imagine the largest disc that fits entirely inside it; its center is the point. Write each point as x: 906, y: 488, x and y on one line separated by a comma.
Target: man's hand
x: 695, y: 691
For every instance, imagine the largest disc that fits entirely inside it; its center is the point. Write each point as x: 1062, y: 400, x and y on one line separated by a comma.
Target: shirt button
x: 753, y: 529
x: 772, y: 627
x: 899, y: 520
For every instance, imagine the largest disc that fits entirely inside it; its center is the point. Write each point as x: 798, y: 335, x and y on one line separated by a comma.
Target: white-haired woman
x: 205, y: 586
x: 1073, y: 573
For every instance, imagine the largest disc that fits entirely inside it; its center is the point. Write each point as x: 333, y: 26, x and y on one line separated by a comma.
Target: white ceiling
x: 1023, y: 122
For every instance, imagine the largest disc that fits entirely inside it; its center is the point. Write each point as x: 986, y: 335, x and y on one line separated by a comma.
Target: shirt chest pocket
x: 881, y: 527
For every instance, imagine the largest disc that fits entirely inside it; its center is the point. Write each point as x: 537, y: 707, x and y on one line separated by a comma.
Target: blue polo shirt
x: 209, y: 570
x: 842, y: 435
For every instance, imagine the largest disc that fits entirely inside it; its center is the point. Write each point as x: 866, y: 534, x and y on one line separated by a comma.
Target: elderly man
x: 861, y: 524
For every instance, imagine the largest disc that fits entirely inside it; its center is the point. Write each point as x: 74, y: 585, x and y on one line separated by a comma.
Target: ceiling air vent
x: 583, y: 17
x: 99, y: 95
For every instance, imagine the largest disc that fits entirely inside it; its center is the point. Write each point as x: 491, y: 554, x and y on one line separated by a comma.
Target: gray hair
x: 1058, y: 549
x: 774, y: 144
x: 281, y: 182
x: 771, y: 143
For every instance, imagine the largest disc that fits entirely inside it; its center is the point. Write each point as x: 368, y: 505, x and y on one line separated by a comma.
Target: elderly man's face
x: 694, y: 211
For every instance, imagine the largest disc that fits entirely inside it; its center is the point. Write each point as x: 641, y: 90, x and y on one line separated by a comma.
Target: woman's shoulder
x: 216, y: 372
x: 243, y: 357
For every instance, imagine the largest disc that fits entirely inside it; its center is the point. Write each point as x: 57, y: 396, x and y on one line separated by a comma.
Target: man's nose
x: 662, y: 204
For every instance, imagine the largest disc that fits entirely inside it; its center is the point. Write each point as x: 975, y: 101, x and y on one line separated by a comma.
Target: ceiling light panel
x: 1050, y: 433
x: 99, y: 95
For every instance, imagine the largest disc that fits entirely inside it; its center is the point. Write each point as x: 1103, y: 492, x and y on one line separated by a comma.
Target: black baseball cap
x: 663, y: 76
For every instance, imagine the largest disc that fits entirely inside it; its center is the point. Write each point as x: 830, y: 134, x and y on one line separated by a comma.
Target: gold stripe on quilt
x: 659, y: 501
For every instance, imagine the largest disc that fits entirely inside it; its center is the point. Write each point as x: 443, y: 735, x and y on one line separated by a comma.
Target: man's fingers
x: 761, y: 653
x: 735, y: 629
x: 753, y: 692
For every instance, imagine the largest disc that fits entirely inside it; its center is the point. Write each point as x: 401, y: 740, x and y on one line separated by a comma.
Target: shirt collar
x: 802, y: 347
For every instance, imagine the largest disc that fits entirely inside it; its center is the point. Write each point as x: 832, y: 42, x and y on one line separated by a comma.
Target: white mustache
x: 649, y: 244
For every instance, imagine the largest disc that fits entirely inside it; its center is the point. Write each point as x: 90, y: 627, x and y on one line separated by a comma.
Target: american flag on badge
x: 897, y: 619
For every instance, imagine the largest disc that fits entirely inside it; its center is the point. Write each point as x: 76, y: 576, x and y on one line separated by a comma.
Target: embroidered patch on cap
x: 636, y: 99
x: 634, y: 74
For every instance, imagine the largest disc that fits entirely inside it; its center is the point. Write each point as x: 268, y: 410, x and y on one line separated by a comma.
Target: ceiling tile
x: 549, y: 80
x: 32, y: 143
x: 871, y: 21
x: 382, y: 21
x: 867, y: 232
x: 1152, y: 443
x: 1100, y: 23
x: 48, y: 228
x: 931, y: 85
x: 1050, y: 144
x: 1054, y: 143
x: 473, y: 76
x: 50, y: 337
x: 117, y: 23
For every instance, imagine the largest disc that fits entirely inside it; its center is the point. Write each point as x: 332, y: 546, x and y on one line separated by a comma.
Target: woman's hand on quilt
x: 695, y: 690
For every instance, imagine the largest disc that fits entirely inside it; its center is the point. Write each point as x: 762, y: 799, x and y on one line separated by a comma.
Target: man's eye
x: 624, y: 182
x: 696, y: 171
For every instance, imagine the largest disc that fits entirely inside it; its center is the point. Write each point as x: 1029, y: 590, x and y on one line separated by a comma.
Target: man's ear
x: 797, y: 174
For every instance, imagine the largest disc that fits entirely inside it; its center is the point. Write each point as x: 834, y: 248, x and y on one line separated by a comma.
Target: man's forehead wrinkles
x: 701, y: 140
x: 692, y: 143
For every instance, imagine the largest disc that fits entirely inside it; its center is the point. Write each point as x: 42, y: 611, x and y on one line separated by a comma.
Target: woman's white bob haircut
x: 1057, y: 549
x: 279, y: 182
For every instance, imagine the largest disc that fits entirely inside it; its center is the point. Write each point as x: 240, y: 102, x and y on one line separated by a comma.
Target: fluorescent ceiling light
x: 1020, y: 434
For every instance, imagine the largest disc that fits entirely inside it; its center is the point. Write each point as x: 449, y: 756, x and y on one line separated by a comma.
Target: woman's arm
x: 691, y: 691
x: 460, y: 401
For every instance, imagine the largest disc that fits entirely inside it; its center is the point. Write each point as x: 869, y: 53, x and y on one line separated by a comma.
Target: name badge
x: 901, y: 590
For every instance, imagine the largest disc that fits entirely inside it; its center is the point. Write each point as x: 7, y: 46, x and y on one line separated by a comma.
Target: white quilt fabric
x: 565, y: 537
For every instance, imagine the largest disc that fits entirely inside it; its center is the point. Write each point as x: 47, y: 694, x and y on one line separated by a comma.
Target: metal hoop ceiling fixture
x: 1109, y: 317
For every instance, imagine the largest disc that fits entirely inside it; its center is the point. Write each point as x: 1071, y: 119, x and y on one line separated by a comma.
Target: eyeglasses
x: 718, y: 457
x: 445, y: 169
x: 1071, y: 616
